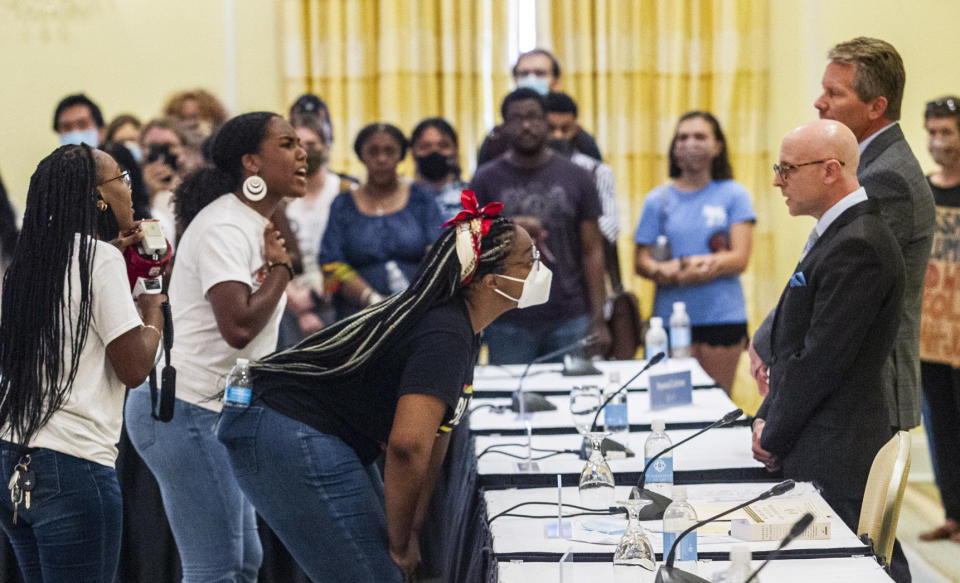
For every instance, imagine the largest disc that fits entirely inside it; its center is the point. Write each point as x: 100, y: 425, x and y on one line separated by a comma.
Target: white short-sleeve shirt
x: 88, y: 424
x: 224, y: 242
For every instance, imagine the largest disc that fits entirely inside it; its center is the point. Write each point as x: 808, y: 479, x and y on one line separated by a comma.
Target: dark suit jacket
x: 825, y: 414
x: 890, y: 174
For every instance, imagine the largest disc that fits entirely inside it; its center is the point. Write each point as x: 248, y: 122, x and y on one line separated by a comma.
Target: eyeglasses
x: 123, y: 177
x: 783, y: 170
x: 536, y: 259
x: 946, y: 107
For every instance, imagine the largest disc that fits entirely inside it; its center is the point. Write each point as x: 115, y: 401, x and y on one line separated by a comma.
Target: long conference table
x: 484, y: 477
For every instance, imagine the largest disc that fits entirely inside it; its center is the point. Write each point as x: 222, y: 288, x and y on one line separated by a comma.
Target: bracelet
x: 286, y: 265
x: 155, y: 329
x: 365, y: 296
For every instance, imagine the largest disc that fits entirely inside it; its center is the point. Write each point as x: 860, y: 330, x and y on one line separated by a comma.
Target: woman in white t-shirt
x: 227, y: 296
x: 70, y: 340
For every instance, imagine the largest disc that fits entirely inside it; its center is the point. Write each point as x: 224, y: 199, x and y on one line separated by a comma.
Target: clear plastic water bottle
x: 239, y: 384
x: 656, y: 339
x: 661, y: 250
x: 679, y: 331
x: 659, y: 477
x: 615, y: 413
x: 678, y: 517
x: 739, y: 569
x: 396, y: 280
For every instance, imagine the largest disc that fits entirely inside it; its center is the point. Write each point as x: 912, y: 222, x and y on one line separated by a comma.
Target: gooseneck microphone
x: 656, y: 358
x: 795, y: 531
x: 654, y: 511
x: 523, y: 402
x: 670, y: 574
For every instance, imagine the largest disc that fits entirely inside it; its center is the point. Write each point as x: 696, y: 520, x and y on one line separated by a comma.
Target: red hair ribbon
x: 472, y: 224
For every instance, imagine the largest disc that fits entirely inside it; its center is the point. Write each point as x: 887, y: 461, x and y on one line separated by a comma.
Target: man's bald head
x: 820, y: 162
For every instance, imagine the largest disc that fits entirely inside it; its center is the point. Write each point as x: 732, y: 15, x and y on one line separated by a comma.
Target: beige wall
x: 128, y: 55
x: 925, y: 32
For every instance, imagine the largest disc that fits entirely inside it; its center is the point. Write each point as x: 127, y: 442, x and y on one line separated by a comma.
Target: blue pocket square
x: 798, y: 280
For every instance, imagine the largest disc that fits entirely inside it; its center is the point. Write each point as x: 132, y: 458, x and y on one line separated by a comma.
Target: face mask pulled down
x: 536, y: 287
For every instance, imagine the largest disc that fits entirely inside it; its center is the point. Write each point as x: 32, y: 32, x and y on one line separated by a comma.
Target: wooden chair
x: 883, y: 496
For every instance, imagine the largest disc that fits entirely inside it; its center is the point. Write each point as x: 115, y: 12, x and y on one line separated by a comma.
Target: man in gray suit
x: 863, y: 89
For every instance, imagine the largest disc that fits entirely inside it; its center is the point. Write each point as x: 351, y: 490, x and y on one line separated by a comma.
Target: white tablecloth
x: 548, y: 377
x: 845, y: 570
x: 721, y: 448
x: 527, y: 535
x: 708, y: 405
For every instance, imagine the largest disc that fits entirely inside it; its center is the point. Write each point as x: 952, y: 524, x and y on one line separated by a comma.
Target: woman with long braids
x: 227, y: 296
x: 70, y: 340
x: 393, y: 378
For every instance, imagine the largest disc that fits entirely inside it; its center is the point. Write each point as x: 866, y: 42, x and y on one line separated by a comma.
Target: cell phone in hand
x: 161, y: 152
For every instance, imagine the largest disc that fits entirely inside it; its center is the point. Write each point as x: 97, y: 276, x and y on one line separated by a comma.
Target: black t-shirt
x: 436, y: 357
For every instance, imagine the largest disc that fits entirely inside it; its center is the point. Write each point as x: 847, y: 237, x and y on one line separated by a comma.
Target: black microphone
x: 670, y: 574
x: 168, y: 377
x: 654, y: 511
x: 795, y: 531
x: 533, y: 402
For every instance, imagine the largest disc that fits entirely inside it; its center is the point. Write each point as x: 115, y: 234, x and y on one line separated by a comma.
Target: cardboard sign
x: 670, y: 390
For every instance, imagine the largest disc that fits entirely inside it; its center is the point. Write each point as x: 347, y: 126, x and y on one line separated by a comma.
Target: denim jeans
x: 313, y: 491
x: 214, y: 525
x: 511, y: 344
x: 72, y: 530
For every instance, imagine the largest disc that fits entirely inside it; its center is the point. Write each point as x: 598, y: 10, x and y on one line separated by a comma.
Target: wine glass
x: 584, y: 402
x: 634, y: 549
x: 596, y: 479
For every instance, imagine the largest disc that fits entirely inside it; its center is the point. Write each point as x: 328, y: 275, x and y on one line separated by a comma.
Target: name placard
x: 670, y: 390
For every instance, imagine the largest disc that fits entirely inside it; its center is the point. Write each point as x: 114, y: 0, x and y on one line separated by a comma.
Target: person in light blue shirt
x: 704, y: 221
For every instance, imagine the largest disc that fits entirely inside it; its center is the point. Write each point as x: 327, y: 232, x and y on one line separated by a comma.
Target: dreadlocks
x: 346, y: 347
x: 37, y: 312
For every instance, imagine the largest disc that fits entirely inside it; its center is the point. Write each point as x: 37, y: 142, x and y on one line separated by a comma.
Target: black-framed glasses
x: 783, y: 170
x: 123, y: 177
x: 946, y: 107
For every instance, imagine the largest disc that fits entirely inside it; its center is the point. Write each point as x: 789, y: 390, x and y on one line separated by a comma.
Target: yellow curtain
x: 634, y: 66
x: 399, y: 61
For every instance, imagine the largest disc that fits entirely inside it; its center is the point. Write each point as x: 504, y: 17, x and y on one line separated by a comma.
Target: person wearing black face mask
x: 435, y: 151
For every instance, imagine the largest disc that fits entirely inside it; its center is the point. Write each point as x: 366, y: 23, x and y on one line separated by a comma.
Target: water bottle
x: 679, y: 331
x: 660, y: 474
x: 739, y: 569
x: 661, y: 250
x: 678, y: 517
x: 239, y: 384
x: 396, y: 280
x: 615, y: 413
x: 656, y: 339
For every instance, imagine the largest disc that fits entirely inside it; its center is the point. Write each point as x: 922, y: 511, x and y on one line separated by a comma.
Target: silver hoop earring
x: 254, y: 188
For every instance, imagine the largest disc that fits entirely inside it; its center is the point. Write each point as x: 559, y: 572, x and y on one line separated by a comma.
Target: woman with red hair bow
x: 395, y: 379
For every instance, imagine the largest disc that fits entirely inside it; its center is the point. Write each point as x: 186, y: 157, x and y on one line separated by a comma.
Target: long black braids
x: 344, y: 348
x: 37, y: 310
x: 241, y: 135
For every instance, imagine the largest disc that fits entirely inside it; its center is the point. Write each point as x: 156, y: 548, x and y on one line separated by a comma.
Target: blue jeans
x: 313, y: 491
x: 72, y: 530
x: 511, y: 344
x: 214, y: 525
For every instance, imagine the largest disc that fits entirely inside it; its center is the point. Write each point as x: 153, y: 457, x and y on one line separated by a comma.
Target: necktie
x: 811, y: 241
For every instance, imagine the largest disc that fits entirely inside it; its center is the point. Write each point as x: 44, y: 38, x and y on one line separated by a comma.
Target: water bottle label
x: 615, y: 417
x: 680, y: 337
x: 661, y: 471
x: 686, y: 550
x: 238, y: 395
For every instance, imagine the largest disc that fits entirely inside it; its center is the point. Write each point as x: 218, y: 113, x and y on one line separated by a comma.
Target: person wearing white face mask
x: 536, y: 69
x: 78, y: 120
x: 707, y: 220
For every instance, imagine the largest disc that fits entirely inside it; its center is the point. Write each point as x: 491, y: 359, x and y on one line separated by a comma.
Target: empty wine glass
x: 584, y: 402
x: 634, y: 549
x: 596, y: 479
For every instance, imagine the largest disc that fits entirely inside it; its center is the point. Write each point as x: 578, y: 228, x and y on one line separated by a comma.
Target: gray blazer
x: 890, y: 174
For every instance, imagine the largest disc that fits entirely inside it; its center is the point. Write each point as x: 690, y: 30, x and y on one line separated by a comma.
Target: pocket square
x: 798, y: 280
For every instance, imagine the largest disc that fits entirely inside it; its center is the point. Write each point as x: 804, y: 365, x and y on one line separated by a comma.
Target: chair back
x: 883, y: 496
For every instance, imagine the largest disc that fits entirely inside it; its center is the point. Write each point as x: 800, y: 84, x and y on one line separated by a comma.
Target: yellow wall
x: 128, y: 55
